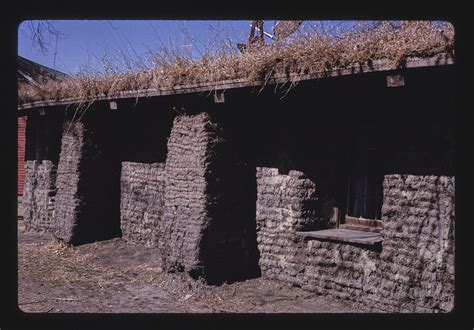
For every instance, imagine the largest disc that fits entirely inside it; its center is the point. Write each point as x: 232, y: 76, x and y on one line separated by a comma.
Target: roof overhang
x: 375, y: 66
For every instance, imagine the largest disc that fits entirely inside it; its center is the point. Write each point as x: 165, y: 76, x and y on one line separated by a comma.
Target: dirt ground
x: 115, y: 277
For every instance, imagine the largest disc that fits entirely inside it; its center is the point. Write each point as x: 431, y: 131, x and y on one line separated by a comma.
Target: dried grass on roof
x: 304, y: 53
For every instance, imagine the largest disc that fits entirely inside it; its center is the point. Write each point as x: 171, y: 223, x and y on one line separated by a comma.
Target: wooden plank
x: 337, y: 215
x: 377, y: 65
x: 344, y: 235
x: 363, y: 222
x: 362, y: 228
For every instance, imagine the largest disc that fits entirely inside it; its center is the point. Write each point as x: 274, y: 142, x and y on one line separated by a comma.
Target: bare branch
x: 41, y: 33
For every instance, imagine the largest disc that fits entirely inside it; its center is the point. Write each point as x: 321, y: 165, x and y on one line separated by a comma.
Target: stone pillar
x: 185, y: 214
x: 203, y: 232
x: 417, y: 259
x: 88, y: 185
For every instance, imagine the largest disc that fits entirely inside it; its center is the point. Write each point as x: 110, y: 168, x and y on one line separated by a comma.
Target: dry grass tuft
x: 55, y: 247
x: 304, y: 53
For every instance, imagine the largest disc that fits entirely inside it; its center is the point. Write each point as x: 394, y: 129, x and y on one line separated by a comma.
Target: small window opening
x: 364, y: 184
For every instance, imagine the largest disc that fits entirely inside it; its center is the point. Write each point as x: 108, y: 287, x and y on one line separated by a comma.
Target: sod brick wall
x: 413, y: 272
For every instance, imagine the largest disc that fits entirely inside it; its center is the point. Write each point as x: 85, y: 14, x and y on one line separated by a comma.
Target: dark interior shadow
x: 229, y: 245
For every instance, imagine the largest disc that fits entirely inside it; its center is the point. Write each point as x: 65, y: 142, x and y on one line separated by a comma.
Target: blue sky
x: 83, y: 43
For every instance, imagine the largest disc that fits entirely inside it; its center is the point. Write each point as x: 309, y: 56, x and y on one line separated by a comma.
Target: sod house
x: 340, y: 182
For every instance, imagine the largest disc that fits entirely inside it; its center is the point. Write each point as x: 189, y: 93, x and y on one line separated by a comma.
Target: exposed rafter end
x: 395, y: 81
x: 219, y: 97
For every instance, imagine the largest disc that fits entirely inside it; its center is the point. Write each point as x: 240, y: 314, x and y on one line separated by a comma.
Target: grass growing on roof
x: 304, y: 53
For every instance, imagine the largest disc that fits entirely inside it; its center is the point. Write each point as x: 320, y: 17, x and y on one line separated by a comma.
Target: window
x: 364, y: 183
x: 365, y: 196
x: 362, y: 220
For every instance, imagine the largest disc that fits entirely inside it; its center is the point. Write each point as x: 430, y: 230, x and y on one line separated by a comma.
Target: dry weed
x: 302, y: 54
